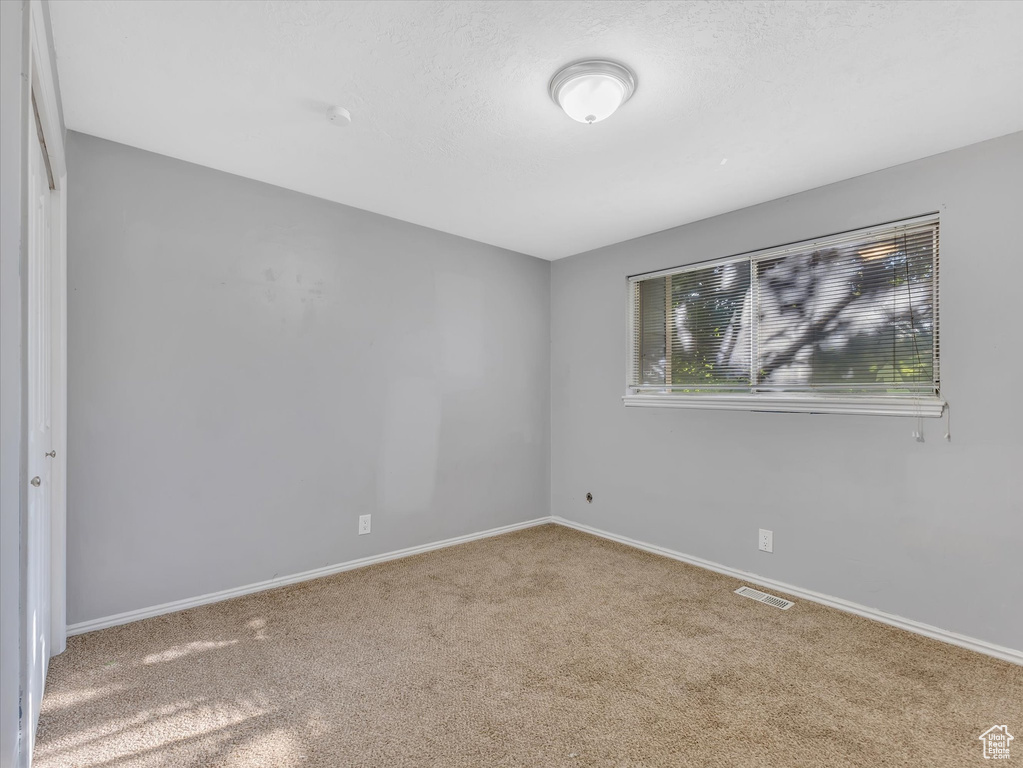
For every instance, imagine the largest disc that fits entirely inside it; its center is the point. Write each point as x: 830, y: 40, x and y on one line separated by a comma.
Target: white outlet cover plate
x: 766, y: 541
x: 364, y: 524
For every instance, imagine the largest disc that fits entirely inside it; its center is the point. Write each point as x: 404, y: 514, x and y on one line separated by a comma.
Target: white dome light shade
x: 591, y: 98
x: 590, y: 91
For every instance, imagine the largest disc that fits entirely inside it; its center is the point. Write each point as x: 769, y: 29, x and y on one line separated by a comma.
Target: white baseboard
x: 953, y: 638
x: 214, y: 597
x: 980, y: 646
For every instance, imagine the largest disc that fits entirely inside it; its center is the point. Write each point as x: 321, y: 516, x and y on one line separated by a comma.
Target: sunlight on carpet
x: 541, y: 647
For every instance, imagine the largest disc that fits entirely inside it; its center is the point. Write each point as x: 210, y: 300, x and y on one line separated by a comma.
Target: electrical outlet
x: 364, y: 524
x: 766, y: 541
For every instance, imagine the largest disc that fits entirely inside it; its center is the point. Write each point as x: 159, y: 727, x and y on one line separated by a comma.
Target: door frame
x: 44, y: 94
x: 42, y: 117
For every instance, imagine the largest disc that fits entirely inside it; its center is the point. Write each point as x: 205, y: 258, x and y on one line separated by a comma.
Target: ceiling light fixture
x: 590, y: 91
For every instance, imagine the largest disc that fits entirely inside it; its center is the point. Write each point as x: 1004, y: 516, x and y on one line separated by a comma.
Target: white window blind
x: 844, y: 323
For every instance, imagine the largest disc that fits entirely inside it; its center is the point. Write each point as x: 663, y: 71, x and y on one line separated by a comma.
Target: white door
x: 40, y: 434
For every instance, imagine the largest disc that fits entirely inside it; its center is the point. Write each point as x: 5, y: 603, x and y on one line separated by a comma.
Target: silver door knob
x: 51, y: 454
x: 36, y: 481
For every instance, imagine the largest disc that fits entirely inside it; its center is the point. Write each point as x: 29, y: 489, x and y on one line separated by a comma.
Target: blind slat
x: 853, y: 313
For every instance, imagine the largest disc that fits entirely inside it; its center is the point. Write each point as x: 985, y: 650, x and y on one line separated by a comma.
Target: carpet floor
x: 544, y: 647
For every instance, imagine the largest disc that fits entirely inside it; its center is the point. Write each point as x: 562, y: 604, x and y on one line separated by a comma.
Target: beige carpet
x: 545, y: 647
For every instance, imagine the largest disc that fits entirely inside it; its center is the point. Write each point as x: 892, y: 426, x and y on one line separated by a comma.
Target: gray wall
x: 12, y: 142
x: 251, y: 369
x: 859, y: 510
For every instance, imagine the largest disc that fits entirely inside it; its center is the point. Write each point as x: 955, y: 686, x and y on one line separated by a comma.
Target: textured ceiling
x: 452, y: 127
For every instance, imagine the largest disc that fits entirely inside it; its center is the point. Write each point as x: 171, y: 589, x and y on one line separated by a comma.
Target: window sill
x: 863, y: 405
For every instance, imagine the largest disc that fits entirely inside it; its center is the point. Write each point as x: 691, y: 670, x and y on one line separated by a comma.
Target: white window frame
x: 924, y: 406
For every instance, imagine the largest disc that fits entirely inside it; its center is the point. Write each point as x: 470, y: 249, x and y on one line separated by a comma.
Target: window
x: 847, y: 323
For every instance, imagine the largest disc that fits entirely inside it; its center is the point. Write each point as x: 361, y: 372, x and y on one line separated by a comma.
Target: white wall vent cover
x: 763, y: 597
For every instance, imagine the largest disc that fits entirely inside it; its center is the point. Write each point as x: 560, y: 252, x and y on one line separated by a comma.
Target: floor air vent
x: 763, y: 597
